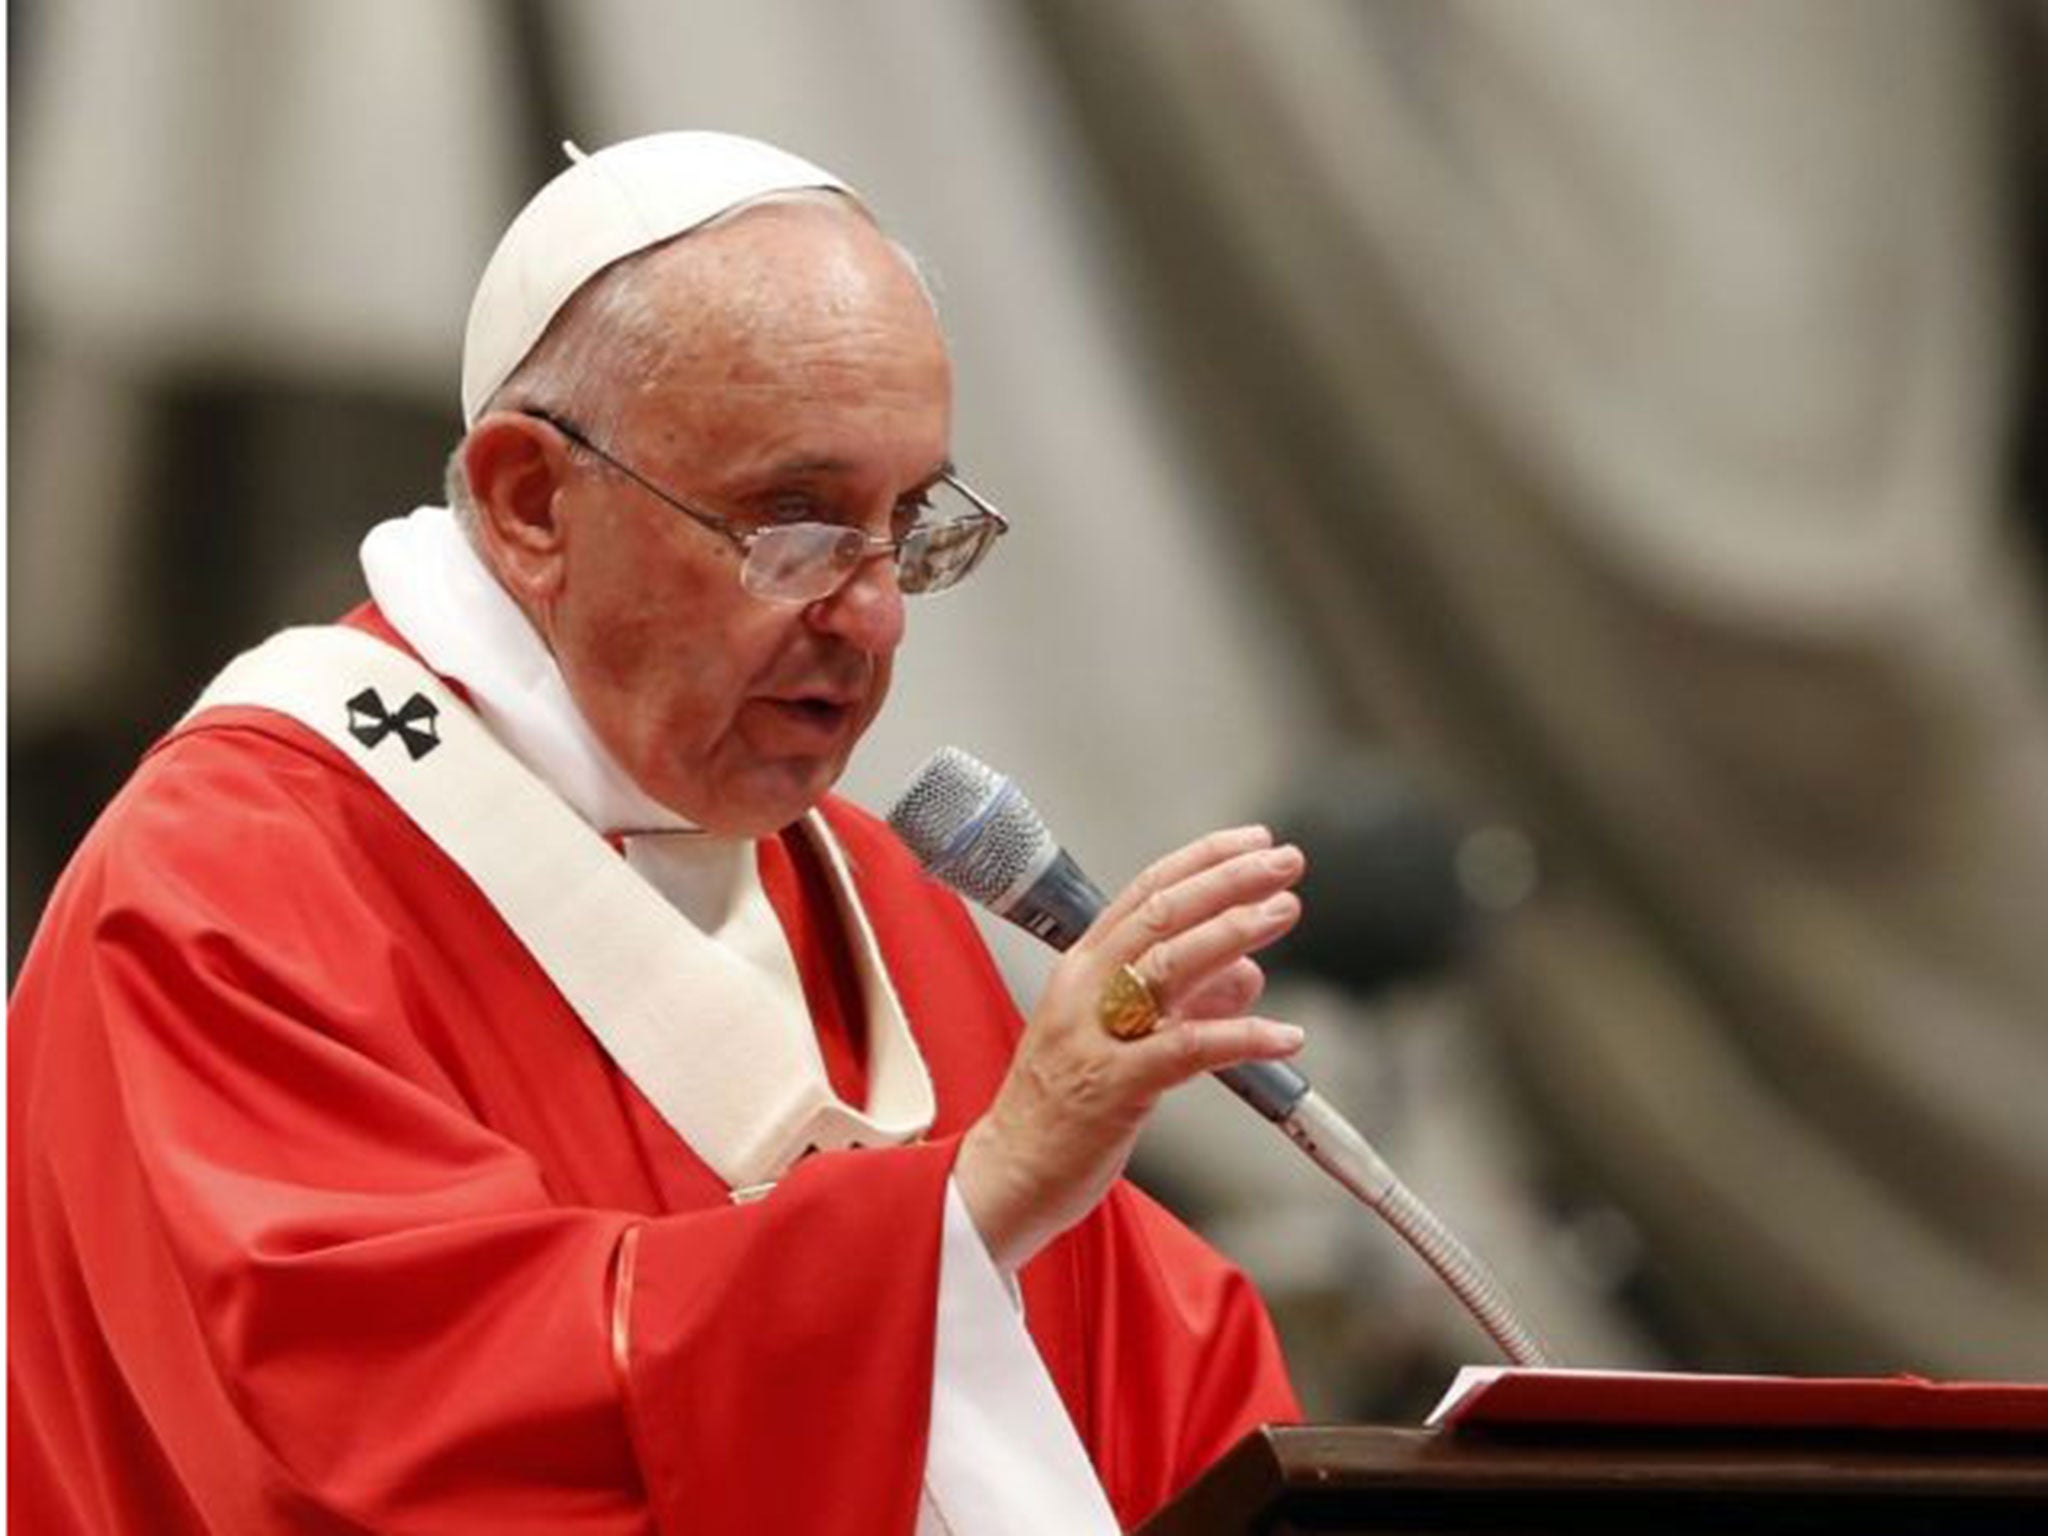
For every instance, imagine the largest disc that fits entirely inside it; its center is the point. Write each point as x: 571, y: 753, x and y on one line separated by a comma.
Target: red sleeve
x: 782, y: 1369
x: 273, y: 1273
x: 1182, y: 1359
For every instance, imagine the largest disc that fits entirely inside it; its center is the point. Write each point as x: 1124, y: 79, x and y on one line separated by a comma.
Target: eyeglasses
x: 803, y: 562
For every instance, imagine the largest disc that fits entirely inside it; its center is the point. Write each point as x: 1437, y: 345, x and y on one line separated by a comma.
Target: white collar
x: 430, y: 583
x: 433, y: 587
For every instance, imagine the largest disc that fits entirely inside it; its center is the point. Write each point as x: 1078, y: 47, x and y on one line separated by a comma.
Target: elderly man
x: 476, y: 1078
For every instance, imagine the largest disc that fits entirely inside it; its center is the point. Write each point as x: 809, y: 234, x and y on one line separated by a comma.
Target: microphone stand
x: 1284, y: 1097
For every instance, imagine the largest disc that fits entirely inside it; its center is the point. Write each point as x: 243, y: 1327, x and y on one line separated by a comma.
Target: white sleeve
x: 1003, y: 1458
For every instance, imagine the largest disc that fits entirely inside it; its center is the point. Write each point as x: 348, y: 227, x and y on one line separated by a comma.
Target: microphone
x: 972, y: 829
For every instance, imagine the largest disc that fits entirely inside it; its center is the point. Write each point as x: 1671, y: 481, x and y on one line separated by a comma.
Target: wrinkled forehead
x: 788, y: 305
x: 787, y: 259
x: 833, y: 201
x: 792, y: 330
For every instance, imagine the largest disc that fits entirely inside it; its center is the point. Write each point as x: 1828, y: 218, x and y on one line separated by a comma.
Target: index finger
x: 1201, y: 854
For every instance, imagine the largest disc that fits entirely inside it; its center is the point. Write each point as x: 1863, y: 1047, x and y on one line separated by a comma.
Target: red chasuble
x: 326, y: 1213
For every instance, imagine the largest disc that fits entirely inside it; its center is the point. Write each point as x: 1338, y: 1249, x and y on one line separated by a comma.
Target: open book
x: 1490, y: 1396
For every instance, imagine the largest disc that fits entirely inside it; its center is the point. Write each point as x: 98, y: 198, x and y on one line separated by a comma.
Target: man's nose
x: 867, y: 612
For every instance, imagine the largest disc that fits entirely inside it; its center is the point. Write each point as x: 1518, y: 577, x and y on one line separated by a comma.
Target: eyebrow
x: 832, y: 466
x: 813, y: 466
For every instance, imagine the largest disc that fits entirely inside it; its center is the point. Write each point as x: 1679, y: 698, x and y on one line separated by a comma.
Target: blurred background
x: 1574, y: 463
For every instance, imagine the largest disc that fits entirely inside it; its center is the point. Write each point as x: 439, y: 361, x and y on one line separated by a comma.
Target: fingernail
x: 1284, y: 860
x: 1290, y: 1035
x: 1283, y: 905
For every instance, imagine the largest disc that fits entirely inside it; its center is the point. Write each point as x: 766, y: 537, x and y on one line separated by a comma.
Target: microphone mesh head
x: 971, y: 827
x: 949, y: 792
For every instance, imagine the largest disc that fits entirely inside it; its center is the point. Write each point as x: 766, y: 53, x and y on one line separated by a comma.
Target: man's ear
x: 516, y: 467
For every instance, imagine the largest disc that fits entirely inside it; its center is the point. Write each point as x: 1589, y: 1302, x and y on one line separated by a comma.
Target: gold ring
x: 1128, y: 1007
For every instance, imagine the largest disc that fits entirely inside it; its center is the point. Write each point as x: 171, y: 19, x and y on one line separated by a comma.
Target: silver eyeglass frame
x: 872, y: 545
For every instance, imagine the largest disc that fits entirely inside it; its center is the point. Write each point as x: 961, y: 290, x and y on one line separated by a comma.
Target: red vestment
x: 327, y: 1214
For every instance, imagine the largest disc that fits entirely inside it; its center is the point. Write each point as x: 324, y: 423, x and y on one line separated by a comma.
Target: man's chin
x: 767, y: 800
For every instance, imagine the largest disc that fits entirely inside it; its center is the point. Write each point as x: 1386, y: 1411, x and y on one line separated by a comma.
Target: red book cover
x: 1498, y: 1396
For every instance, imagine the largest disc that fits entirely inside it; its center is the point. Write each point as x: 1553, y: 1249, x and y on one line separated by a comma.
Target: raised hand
x: 1062, y: 1125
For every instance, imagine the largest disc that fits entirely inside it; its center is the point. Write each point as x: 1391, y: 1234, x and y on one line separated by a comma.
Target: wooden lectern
x: 1606, y: 1482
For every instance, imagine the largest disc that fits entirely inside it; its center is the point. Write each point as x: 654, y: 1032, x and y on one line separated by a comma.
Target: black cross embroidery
x: 370, y: 722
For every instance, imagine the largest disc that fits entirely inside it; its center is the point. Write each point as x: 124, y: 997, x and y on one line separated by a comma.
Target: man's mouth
x: 824, y: 711
x: 811, y: 717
